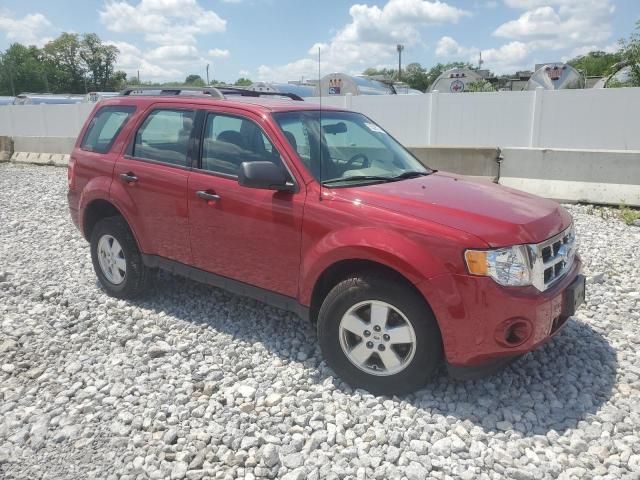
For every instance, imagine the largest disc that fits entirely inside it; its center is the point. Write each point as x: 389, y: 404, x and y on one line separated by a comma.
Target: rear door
x: 97, y: 151
x: 249, y: 235
x: 150, y: 181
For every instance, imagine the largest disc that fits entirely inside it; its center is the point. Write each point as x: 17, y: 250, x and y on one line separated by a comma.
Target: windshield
x: 353, y: 148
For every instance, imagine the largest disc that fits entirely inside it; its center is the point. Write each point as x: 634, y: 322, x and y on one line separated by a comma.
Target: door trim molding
x: 269, y: 297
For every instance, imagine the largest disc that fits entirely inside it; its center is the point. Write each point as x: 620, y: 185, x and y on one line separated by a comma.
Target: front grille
x: 552, y: 259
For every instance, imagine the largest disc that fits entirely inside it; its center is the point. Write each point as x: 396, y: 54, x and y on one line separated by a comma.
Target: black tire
x: 366, y: 287
x: 137, y: 276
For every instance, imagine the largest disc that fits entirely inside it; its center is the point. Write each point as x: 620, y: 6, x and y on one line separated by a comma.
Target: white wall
x: 581, y: 119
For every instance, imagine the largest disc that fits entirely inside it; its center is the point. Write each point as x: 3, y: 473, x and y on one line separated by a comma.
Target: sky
x: 278, y: 40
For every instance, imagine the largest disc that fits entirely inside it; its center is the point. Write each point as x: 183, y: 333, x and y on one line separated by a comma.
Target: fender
x: 96, y: 189
x: 388, y: 247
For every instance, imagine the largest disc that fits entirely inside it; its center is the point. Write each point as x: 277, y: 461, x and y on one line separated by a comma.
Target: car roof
x: 257, y: 105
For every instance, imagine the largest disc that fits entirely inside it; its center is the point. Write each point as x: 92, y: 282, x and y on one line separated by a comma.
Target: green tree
x: 388, y: 73
x: 63, y: 66
x: 630, y: 50
x: 69, y: 64
x: 416, y: 77
x: 194, y: 80
x: 99, y: 62
x: 21, y: 70
x: 243, y: 82
x: 596, y: 63
x: 479, y: 86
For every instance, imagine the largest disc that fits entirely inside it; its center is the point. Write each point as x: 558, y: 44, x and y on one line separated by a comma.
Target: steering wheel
x: 352, y: 160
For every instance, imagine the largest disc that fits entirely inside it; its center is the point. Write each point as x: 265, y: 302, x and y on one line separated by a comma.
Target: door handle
x: 128, y: 177
x: 210, y: 197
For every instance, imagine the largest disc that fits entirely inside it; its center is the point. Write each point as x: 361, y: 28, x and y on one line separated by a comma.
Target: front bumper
x: 476, y: 316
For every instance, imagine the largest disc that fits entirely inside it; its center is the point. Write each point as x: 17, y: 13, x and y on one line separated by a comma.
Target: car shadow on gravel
x: 550, y: 389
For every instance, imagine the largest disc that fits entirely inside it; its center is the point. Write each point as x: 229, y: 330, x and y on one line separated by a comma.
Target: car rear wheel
x: 379, y: 335
x: 117, y: 260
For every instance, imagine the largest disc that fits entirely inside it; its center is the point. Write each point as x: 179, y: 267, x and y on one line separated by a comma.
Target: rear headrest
x: 187, y: 123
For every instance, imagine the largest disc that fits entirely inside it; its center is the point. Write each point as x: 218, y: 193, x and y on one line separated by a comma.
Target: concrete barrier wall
x: 6, y: 148
x: 592, y: 176
x: 472, y: 161
x: 44, y: 144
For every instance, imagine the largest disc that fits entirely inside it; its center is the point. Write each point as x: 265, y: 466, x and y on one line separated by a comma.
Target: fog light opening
x: 516, y: 333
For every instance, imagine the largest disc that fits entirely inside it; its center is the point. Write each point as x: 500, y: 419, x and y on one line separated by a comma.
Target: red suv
x: 323, y: 213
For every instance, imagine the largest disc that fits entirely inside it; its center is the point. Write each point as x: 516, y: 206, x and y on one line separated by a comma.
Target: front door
x: 249, y: 235
x: 152, y: 181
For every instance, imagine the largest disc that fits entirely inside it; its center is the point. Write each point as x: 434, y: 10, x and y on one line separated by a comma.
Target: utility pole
x: 480, y: 61
x: 138, y: 77
x: 207, y: 74
x: 400, y: 48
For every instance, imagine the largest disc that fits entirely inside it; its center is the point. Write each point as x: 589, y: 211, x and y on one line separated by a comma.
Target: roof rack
x: 252, y: 93
x: 135, y: 90
x: 215, y: 92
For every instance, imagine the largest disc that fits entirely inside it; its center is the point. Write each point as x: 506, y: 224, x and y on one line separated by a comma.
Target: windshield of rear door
x: 350, y: 149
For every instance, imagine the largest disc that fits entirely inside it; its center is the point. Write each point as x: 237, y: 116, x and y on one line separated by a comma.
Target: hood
x: 499, y: 215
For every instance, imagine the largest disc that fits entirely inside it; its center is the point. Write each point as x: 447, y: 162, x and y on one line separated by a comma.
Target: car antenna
x: 320, y: 124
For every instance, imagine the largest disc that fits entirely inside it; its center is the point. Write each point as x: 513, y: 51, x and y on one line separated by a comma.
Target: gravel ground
x: 192, y: 382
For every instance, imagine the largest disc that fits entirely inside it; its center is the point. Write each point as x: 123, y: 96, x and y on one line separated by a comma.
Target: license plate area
x: 573, y: 296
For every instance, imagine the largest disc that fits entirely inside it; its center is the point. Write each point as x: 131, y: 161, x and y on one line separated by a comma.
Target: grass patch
x: 628, y: 215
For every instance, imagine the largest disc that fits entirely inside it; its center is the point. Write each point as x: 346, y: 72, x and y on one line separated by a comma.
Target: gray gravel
x: 192, y: 382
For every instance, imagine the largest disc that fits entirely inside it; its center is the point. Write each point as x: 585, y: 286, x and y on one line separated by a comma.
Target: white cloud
x: 171, y: 25
x: 577, y: 26
x: 172, y: 53
x: 510, y: 56
x: 244, y: 73
x: 32, y: 29
x: 369, y: 38
x: 558, y: 24
x: 506, y: 58
x: 132, y: 60
x: 448, y: 47
x: 218, y: 53
x: 162, y: 21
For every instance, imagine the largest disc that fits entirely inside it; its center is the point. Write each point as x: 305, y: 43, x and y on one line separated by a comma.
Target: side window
x: 228, y: 141
x: 164, y: 136
x: 105, y: 127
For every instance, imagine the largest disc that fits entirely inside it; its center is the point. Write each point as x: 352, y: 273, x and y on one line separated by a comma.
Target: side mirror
x: 265, y: 175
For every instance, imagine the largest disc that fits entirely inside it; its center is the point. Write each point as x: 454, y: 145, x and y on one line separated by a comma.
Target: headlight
x: 507, y: 266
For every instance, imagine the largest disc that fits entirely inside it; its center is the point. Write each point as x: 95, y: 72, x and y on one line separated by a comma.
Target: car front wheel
x: 379, y: 335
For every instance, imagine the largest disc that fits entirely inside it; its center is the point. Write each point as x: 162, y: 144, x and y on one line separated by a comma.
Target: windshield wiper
x: 409, y: 174
x: 379, y: 178
x: 356, y: 178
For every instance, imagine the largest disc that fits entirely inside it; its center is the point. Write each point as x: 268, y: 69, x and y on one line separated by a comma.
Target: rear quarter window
x: 104, y: 128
